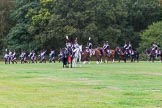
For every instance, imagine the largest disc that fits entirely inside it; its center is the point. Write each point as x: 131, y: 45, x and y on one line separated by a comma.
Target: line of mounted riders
x: 73, y: 54
x: 100, y: 54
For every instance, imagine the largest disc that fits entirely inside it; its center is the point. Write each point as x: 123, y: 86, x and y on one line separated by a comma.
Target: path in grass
x: 118, y: 85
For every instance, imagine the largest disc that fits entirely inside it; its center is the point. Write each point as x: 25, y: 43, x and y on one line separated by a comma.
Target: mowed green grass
x: 117, y: 85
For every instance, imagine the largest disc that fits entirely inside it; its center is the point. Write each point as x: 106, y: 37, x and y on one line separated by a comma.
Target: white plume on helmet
x: 67, y: 37
x: 76, y: 39
x: 89, y: 38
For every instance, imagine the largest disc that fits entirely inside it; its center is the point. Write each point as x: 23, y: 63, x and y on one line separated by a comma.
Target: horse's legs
x: 9, y: 60
x: 74, y: 62
x: 119, y: 57
x: 131, y: 57
x: 97, y: 60
x: 125, y: 58
x: 5, y: 61
x: 153, y: 58
x: 150, y: 58
x: 71, y: 62
x: 119, y: 60
x: 15, y: 61
x: 113, y: 59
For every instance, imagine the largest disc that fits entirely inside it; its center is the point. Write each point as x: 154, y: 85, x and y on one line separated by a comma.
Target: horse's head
x: 148, y: 50
x: 118, y: 50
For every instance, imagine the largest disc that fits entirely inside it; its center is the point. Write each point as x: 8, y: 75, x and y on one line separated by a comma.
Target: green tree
x: 150, y: 35
x: 6, y: 6
x: 45, y: 23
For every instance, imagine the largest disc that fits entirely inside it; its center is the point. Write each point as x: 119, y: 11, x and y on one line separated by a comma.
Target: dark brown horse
x: 121, y: 55
x: 86, y: 56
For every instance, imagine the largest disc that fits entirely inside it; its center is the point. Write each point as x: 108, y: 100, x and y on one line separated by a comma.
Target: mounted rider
x: 76, y: 45
x: 155, y: 48
x: 68, y: 45
x: 106, y: 47
x: 89, y: 46
x: 129, y: 48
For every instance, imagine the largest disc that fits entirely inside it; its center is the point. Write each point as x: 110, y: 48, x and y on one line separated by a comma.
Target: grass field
x: 118, y: 85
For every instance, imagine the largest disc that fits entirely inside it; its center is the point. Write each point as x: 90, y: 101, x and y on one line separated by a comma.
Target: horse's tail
x: 112, y: 51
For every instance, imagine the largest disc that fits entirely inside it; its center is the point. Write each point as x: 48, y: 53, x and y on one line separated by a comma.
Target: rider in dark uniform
x: 89, y: 45
x: 106, y: 47
x: 155, y: 48
x: 125, y: 47
x: 130, y: 47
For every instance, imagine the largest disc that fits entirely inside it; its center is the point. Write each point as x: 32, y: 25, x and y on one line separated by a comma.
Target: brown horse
x: 107, y: 57
x: 121, y: 54
x: 111, y: 56
x: 86, y: 56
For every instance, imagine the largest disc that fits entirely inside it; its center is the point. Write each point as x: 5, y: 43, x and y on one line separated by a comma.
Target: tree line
x: 37, y: 24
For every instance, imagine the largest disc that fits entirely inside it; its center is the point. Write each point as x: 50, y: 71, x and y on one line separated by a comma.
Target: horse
x: 111, y: 56
x: 121, y: 55
x: 77, y: 56
x: 86, y: 56
x: 152, y: 55
x: 160, y: 55
x: 134, y: 55
x: 107, y: 57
